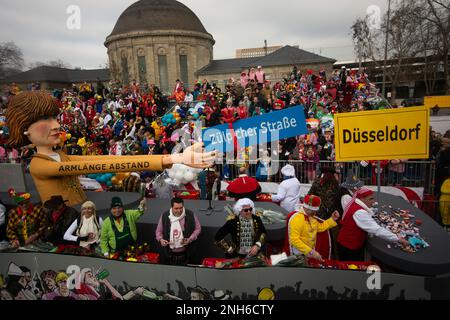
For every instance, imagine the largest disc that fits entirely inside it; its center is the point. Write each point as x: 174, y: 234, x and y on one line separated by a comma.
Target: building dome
x: 158, y: 42
x: 156, y: 15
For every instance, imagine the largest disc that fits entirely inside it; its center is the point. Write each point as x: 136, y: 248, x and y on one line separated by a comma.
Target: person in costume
x: 119, y: 230
x: 32, y: 118
x: 289, y: 190
x: 347, y: 188
x: 247, y: 231
x: 326, y: 187
x: 303, y: 227
x: 242, y: 111
x: 228, y: 113
x: 59, y: 218
x: 26, y: 222
x: 85, y: 230
x: 356, y: 223
x: 244, y: 186
x: 177, y: 232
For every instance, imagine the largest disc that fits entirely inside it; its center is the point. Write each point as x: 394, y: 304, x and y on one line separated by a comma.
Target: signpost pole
x: 378, y: 182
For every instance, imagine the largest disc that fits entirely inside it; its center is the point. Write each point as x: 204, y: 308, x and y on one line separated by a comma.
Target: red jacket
x: 242, y: 112
x: 279, y: 104
x: 350, y: 235
x: 89, y: 114
x: 228, y: 114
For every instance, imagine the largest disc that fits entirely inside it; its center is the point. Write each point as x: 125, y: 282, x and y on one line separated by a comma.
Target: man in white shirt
x: 356, y: 223
x: 289, y: 190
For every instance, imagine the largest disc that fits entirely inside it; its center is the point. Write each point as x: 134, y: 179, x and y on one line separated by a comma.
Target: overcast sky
x: 322, y: 26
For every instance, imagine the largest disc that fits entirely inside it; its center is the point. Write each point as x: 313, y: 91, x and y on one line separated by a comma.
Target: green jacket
x: 108, y: 238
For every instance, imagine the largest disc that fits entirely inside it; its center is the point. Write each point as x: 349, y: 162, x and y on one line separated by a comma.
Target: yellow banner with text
x: 382, y: 135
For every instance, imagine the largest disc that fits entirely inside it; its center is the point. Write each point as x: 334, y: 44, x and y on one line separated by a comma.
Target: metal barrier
x: 438, y: 210
x: 417, y: 174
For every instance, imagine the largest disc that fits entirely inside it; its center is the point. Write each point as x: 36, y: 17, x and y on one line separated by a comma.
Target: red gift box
x: 149, y: 257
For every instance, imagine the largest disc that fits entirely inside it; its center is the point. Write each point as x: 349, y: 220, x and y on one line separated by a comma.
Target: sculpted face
x: 45, y: 132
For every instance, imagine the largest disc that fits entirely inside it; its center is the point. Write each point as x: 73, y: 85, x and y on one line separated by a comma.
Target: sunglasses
x: 247, y: 210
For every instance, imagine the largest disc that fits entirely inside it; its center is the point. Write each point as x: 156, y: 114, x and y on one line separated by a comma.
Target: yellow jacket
x: 61, y: 178
x: 303, y: 230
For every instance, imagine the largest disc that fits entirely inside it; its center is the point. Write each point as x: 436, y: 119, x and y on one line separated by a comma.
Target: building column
x: 172, y: 65
x: 151, y: 67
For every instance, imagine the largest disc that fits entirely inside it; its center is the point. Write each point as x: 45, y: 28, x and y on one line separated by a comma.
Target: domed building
x: 158, y: 41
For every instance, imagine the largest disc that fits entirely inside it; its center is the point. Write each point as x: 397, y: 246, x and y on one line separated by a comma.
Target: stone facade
x: 196, y: 46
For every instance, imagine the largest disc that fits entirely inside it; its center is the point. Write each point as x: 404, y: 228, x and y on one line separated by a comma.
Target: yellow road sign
x: 382, y: 135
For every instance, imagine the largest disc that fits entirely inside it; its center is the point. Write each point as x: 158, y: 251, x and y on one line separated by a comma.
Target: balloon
x: 120, y: 182
x: 127, y: 174
x: 179, y: 175
x: 189, y: 177
x: 109, y: 184
x: 120, y: 175
x: 114, y: 180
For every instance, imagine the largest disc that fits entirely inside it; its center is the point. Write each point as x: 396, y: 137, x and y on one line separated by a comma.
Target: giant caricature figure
x: 32, y: 118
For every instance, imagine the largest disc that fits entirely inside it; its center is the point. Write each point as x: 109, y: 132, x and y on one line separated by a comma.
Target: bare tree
x: 429, y: 51
x: 434, y: 26
x: 440, y: 16
x: 11, y: 59
x: 52, y: 63
x: 402, y: 44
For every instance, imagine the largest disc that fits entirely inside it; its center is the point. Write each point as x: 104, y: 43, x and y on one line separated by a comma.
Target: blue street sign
x: 269, y: 127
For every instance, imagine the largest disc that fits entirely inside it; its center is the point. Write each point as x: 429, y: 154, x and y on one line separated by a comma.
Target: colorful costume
x: 234, y: 228
x: 117, y: 236
x: 303, y: 230
x: 22, y: 224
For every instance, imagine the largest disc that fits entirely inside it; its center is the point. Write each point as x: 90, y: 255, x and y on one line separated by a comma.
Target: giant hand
x: 195, y: 157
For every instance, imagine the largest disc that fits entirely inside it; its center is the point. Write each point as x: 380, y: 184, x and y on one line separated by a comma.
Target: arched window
x: 163, y: 70
x: 125, y: 72
x: 142, y: 66
x: 183, y: 60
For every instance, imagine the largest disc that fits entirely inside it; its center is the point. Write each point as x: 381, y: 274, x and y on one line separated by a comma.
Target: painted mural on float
x: 31, y: 276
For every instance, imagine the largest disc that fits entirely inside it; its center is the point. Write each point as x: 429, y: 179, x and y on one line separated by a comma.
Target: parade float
x: 43, y: 271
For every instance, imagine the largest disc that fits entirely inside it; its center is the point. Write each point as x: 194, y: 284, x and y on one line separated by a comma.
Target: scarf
x: 176, y: 232
x: 359, y: 193
x: 88, y: 225
x: 56, y: 214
